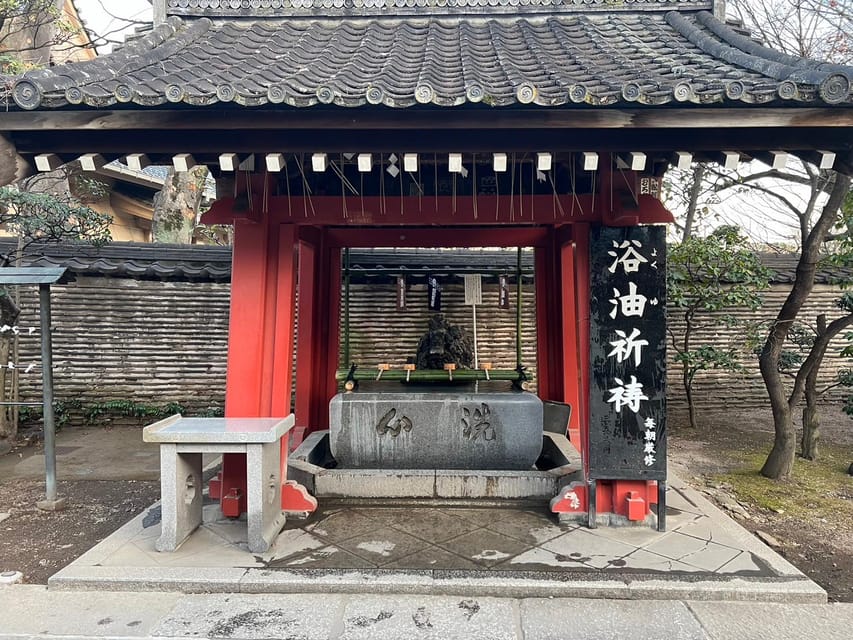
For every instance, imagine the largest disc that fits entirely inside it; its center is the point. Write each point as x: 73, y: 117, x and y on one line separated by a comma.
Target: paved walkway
x: 354, y: 571
x: 495, y: 551
x: 29, y: 611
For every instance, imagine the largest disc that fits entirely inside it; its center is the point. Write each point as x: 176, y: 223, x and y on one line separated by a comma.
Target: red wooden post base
x: 631, y: 499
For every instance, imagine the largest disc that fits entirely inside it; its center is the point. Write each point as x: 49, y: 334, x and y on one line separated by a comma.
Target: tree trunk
x: 176, y: 206
x: 688, y: 394
x: 8, y: 428
x: 12, y: 166
x: 9, y: 312
x: 695, y: 190
x: 811, y: 419
x: 811, y: 425
x: 780, y: 461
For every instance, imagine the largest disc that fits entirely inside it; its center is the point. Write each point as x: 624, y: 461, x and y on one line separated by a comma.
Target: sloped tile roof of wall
x: 213, y: 263
x: 547, y: 59
x: 134, y: 260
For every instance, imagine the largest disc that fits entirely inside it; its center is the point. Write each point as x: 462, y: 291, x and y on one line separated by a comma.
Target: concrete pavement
x: 33, y: 611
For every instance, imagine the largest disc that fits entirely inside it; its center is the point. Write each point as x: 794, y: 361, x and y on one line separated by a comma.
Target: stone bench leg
x: 264, y: 515
x: 181, y: 497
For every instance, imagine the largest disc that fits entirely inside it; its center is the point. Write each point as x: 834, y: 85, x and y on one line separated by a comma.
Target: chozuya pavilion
x: 546, y: 124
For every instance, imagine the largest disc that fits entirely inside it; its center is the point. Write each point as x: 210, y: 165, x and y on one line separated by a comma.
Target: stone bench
x: 183, y: 441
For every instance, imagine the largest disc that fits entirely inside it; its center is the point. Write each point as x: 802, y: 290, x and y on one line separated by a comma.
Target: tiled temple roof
x: 398, y: 53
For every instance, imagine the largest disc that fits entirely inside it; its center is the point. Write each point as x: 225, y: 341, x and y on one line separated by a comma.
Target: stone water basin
x: 473, y: 426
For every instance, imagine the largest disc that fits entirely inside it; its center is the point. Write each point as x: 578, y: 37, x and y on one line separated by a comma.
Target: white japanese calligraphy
x: 630, y: 260
x: 627, y: 346
x: 574, y: 501
x: 651, y: 437
x: 632, y: 304
x: 627, y: 395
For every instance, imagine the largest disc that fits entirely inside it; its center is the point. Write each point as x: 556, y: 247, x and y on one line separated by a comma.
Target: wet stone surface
x: 494, y: 539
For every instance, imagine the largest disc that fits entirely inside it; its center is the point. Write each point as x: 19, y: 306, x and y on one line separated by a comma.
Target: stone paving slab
x: 28, y: 611
x: 775, y: 621
x: 375, y: 618
x: 183, y: 579
x: 250, y: 617
x: 33, y: 610
x: 601, y: 620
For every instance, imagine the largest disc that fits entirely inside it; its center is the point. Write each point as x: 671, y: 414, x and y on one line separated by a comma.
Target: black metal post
x: 346, y: 307
x: 518, y: 300
x: 52, y: 502
x: 592, y: 506
x: 661, y: 505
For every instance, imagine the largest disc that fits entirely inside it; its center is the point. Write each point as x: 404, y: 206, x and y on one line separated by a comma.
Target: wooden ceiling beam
x: 213, y: 143
x: 417, y: 118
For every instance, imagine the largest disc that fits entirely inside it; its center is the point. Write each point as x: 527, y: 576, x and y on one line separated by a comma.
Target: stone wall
x: 121, y: 339
x: 156, y: 342
x: 720, y: 389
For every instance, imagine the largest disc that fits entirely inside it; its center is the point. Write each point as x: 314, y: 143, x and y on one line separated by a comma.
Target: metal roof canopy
x: 44, y: 277
x: 35, y: 275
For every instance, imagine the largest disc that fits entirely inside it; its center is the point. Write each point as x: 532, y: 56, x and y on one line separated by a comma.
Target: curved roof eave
x: 548, y: 59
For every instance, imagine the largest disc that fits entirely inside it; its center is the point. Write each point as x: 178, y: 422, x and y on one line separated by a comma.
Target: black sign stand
x: 627, y: 433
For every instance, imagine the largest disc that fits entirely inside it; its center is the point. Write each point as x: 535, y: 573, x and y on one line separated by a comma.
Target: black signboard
x: 434, y: 292
x: 401, y: 292
x: 503, y: 296
x: 627, y: 431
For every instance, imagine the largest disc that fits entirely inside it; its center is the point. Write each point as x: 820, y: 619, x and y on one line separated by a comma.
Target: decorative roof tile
x: 597, y: 59
x: 290, y: 8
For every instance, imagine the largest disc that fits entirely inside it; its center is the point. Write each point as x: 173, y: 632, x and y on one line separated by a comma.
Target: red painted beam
x: 431, y: 237
x: 491, y: 211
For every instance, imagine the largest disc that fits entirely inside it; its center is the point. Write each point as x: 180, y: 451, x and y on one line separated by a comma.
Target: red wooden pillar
x: 247, y: 320
x: 331, y: 332
x: 284, y: 324
x: 580, y: 235
x: 307, y: 349
x: 316, y: 375
x: 548, y: 320
x: 260, y: 341
x: 570, y: 323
